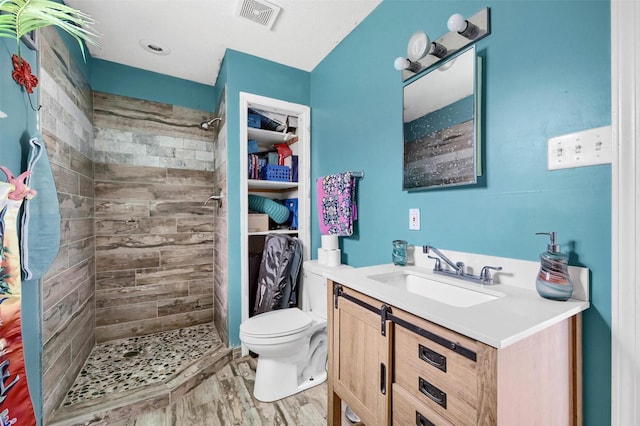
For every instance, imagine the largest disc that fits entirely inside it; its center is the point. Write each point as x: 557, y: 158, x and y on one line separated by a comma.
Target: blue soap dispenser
x: 553, y: 280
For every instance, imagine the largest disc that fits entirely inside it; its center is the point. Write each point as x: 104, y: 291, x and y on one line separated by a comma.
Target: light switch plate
x: 584, y: 148
x: 414, y: 219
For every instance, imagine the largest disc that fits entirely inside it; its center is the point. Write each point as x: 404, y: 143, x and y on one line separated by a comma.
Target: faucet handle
x: 438, y: 266
x: 485, y: 274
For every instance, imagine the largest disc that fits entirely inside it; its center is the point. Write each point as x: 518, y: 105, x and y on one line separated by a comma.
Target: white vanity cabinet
x: 435, y: 376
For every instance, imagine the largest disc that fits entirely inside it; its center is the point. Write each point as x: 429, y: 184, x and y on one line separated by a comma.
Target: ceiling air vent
x: 261, y: 12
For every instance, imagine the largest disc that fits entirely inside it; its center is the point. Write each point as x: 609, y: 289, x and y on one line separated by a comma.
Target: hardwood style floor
x: 183, y: 377
x: 226, y: 399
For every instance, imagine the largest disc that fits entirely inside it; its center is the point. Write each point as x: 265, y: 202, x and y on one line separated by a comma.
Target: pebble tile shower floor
x: 132, y: 363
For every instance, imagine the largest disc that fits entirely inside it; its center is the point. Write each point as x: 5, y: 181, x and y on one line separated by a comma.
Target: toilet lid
x: 282, y: 322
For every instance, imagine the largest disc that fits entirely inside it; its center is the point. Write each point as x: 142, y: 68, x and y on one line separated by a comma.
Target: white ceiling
x: 197, y: 32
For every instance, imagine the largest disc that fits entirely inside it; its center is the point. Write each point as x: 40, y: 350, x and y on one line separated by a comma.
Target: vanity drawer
x: 438, y: 377
x: 406, y: 410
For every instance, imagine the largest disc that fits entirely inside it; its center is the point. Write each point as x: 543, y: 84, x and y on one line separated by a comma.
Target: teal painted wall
x: 118, y: 79
x: 546, y: 73
x: 15, y: 132
x: 246, y: 73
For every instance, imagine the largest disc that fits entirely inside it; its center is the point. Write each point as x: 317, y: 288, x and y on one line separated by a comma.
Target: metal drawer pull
x: 432, y: 358
x: 432, y: 392
x: 383, y: 379
x: 423, y: 421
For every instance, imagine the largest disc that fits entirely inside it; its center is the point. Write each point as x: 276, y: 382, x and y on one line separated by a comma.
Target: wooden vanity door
x: 360, y: 358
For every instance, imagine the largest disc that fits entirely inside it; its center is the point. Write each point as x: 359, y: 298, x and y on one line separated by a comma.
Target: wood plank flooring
x: 226, y: 398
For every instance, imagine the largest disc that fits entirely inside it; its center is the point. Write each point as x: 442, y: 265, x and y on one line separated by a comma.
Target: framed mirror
x: 439, y: 125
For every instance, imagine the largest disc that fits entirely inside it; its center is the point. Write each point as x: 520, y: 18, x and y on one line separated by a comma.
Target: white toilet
x: 291, y: 343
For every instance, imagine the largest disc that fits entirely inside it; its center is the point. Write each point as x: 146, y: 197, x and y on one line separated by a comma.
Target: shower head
x: 206, y: 125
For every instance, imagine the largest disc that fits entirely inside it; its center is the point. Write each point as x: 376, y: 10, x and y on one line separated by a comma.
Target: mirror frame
x: 445, y: 147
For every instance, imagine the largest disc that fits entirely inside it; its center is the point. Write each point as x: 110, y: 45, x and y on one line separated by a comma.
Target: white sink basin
x: 461, y: 296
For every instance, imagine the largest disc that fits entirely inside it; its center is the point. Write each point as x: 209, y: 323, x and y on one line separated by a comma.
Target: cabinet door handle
x: 383, y: 378
x: 422, y: 420
x: 432, y: 358
x: 432, y: 392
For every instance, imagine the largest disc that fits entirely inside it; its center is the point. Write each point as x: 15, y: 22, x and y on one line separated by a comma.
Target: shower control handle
x: 217, y: 198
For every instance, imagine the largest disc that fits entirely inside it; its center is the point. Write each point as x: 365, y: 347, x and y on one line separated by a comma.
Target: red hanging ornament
x: 22, y: 73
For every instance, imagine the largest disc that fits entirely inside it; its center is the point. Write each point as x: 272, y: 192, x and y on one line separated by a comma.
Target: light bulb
x: 457, y: 23
x: 401, y: 63
x: 463, y: 27
x: 417, y: 48
x: 405, y: 64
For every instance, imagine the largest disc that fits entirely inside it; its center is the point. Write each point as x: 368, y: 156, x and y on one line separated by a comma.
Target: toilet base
x: 276, y: 380
x: 313, y: 381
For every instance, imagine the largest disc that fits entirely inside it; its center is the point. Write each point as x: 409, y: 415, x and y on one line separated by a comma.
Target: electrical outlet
x: 414, y: 219
x: 584, y: 148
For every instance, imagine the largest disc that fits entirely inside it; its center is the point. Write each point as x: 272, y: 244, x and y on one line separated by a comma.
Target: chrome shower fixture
x: 206, y: 125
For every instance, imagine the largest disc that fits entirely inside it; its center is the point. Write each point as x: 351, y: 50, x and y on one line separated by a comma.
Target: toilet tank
x: 314, y: 287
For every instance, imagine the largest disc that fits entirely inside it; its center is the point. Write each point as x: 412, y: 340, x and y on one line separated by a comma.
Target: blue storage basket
x: 277, y: 173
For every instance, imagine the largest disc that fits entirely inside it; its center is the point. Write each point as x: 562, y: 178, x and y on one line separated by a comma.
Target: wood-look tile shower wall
x: 154, y: 168
x: 154, y: 237
x: 220, y: 259
x: 68, y: 288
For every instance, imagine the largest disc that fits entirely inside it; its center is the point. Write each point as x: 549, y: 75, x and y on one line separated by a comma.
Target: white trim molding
x: 303, y: 114
x: 625, y: 205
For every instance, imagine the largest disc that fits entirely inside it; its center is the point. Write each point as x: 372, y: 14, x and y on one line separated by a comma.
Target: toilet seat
x: 278, y: 323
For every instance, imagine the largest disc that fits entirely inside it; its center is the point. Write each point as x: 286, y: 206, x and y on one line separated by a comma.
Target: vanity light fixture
x: 463, y: 27
x: 423, y: 53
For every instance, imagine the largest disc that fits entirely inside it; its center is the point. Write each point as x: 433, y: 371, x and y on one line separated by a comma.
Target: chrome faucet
x: 458, y: 269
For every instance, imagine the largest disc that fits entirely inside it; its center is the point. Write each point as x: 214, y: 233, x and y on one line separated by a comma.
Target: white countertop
x: 520, y: 313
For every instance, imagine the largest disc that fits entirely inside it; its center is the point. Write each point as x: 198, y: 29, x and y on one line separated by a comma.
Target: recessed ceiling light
x: 154, y: 47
